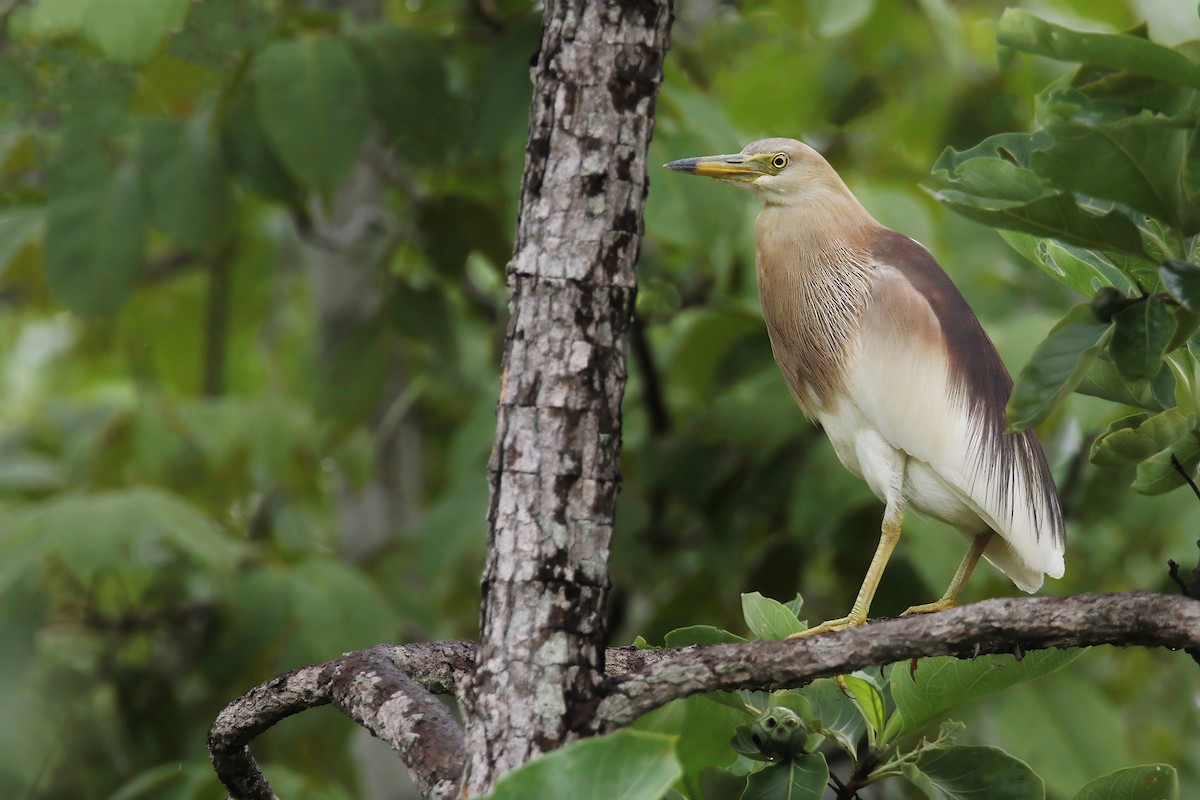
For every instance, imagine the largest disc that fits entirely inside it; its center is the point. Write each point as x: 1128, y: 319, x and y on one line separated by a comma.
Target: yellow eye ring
x: 779, y: 161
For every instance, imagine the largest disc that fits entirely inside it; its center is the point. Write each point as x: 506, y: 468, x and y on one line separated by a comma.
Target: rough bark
x: 642, y: 680
x: 554, y: 466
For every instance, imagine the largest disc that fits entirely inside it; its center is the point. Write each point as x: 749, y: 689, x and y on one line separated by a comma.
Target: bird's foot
x: 839, y: 624
x: 929, y: 608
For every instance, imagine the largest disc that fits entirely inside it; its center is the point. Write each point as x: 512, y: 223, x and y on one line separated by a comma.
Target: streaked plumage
x: 879, y: 347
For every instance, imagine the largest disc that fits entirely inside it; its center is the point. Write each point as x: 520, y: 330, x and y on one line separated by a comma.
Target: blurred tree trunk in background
x: 348, y: 246
x: 555, y: 461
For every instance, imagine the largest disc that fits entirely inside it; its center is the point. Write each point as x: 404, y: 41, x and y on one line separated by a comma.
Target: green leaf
x: 869, y: 701
x: 767, y: 619
x: 700, y: 634
x: 1132, y: 439
x: 940, y: 684
x: 1147, y: 782
x: 1083, y: 270
x: 130, y: 31
x: 1181, y: 279
x: 54, y: 19
x: 1102, y: 380
x: 1021, y: 30
x: 1158, y: 474
x: 1056, y: 367
x: 1105, y: 150
x: 313, y: 104
x: 254, y: 163
x: 408, y: 91
x: 186, y: 181
x: 835, y: 716
x: 995, y: 168
x: 628, y: 764
x: 95, y: 233
x: 720, y: 784
x: 803, y: 778
x: 1139, y: 338
x: 965, y: 772
x: 701, y: 731
x: 1058, y: 216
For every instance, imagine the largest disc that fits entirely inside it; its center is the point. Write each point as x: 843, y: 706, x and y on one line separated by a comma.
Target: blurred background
x: 251, y: 323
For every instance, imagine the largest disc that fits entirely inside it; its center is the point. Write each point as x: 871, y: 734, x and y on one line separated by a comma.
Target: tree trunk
x: 554, y: 469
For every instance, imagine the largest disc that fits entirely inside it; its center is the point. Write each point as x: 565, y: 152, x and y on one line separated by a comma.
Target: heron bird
x: 880, y: 349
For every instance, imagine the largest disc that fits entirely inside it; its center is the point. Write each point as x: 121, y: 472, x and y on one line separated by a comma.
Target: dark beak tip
x: 682, y: 165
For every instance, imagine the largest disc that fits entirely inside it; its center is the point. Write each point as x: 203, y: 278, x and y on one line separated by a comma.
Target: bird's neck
x: 814, y: 267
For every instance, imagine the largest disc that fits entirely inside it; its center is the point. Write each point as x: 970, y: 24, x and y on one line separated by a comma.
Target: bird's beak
x: 736, y: 167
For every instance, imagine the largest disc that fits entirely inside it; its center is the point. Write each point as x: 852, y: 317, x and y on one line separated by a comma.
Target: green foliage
x: 1114, y: 155
x: 1149, y: 782
x: 627, y: 764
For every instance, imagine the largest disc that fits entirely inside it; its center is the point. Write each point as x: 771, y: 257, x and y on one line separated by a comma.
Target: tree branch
x: 389, y: 688
x: 1005, y: 625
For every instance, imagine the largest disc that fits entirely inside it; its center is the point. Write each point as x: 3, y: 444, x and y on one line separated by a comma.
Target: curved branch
x: 404, y: 713
x: 993, y: 626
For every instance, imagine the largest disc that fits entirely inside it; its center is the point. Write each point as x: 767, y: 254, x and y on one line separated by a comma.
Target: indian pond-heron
x: 879, y: 347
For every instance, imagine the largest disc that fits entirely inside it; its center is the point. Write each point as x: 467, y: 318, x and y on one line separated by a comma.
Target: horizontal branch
x: 389, y: 688
x: 1008, y: 625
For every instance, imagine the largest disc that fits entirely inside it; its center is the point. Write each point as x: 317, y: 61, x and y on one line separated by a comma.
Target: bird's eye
x: 779, y: 161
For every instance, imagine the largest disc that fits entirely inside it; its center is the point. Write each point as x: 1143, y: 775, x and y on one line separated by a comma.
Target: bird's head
x: 780, y: 171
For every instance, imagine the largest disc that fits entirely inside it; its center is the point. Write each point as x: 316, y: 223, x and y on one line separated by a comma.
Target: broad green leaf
x: 835, y: 716
x: 313, y: 104
x: 993, y: 177
x: 1056, y: 367
x: 408, y: 91
x: 95, y: 233
x: 130, y: 31
x: 1132, y: 439
x: 186, y: 182
x: 249, y: 152
x: 701, y: 731
x: 700, y: 634
x: 869, y: 701
x: 1102, y: 380
x: 940, y: 684
x: 1140, y: 336
x: 1013, y: 148
x: 1105, y: 151
x: 966, y: 772
x: 54, y: 19
x: 1158, y: 474
x: 803, y: 778
x: 1058, y: 216
x: 1146, y: 782
x: 1181, y: 279
x: 1021, y: 30
x: 628, y: 764
x: 1082, y: 270
x: 768, y: 619
x: 720, y: 784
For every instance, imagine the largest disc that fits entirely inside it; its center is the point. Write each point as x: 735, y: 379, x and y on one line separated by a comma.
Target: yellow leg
x: 961, y: 576
x: 893, y: 517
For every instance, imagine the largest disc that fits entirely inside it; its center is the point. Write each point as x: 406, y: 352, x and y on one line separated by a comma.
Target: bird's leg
x: 961, y: 576
x: 893, y: 517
